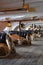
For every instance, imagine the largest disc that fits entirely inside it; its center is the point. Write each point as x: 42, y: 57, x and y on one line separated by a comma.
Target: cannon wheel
x: 4, y: 47
x: 3, y: 50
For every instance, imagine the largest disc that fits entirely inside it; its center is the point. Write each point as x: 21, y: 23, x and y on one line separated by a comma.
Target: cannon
x: 19, y: 37
x: 6, y: 45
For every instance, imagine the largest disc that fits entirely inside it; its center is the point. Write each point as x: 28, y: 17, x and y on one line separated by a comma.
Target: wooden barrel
x: 3, y: 49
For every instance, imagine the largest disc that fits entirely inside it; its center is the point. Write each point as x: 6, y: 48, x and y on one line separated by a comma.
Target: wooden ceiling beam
x: 11, y: 9
x: 21, y: 20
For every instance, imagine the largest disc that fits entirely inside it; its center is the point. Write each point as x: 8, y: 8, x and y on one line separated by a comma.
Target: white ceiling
x: 20, y: 16
x: 13, y: 4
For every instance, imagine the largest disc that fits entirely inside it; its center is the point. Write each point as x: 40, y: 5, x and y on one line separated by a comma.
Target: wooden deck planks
x: 32, y: 55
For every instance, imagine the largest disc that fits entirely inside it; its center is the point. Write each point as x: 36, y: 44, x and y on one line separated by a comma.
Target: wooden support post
x: 19, y: 41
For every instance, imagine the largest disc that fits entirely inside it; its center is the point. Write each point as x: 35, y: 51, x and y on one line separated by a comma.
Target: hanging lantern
x: 9, y: 24
x: 8, y: 20
x: 22, y: 25
x: 26, y: 6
